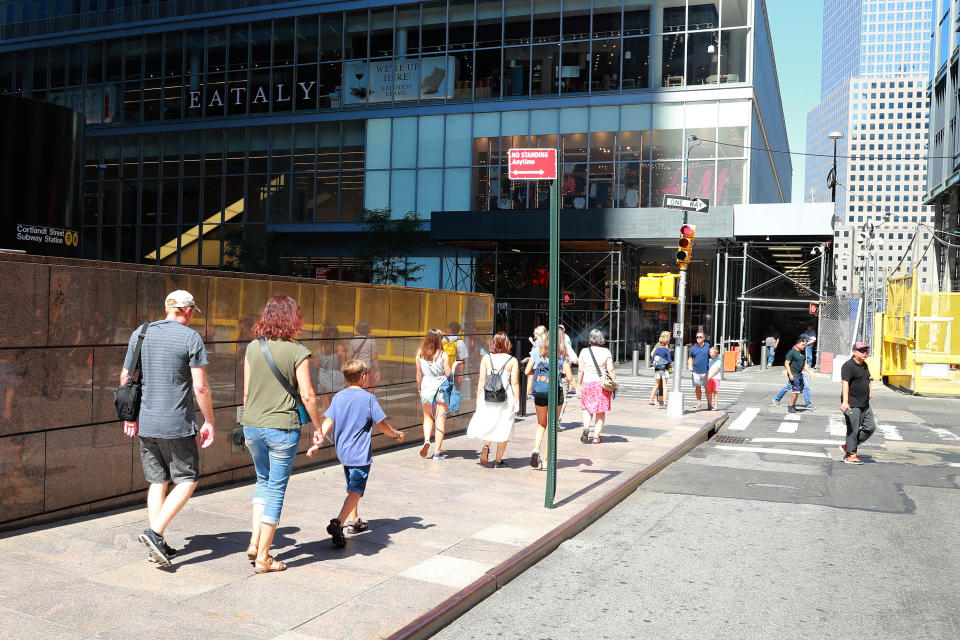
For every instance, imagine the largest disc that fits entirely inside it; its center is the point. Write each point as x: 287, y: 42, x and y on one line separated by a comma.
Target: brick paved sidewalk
x: 436, y: 527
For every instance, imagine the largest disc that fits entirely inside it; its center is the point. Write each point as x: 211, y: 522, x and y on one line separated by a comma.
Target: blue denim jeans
x: 809, y: 350
x: 788, y: 386
x: 771, y: 352
x: 273, y: 452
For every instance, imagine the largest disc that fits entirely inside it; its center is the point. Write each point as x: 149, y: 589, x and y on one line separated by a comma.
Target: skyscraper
x: 876, y: 61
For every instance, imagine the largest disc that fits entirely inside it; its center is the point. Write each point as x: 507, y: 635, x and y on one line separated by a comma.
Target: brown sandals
x: 269, y: 566
x: 252, y: 552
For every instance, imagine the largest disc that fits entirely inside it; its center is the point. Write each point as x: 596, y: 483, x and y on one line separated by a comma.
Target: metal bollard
x: 686, y: 354
x: 636, y: 362
x: 763, y: 357
x: 646, y: 355
x: 522, y: 404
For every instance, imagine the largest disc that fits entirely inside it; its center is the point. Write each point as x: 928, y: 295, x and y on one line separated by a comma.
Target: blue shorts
x: 356, y: 478
x: 797, y: 383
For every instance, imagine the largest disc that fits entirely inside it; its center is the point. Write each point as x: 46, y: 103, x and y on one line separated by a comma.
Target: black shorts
x: 540, y: 399
x: 166, y: 459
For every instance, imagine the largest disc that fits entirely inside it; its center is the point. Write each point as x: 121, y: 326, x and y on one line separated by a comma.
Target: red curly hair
x: 280, y: 320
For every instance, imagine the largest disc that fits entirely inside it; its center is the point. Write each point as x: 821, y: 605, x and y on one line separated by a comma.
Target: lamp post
x: 834, y: 135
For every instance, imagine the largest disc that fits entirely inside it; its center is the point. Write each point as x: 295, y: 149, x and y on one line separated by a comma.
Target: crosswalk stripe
x: 837, y: 426
x: 788, y: 427
x: 744, y: 419
x: 889, y: 432
x: 945, y: 434
x: 786, y: 452
x: 792, y: 416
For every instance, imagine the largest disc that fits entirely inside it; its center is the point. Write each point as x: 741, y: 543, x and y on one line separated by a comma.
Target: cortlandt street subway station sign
x: 532, y: 164
x: 684, y: 203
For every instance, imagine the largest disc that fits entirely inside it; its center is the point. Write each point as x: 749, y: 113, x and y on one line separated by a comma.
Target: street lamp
x: 832, y: 178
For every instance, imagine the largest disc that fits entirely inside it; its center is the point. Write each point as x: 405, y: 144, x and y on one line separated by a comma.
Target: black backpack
x: 493, y: 389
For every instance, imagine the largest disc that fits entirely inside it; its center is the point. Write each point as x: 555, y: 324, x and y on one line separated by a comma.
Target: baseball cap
x: 861, y: 346
x: 180, y: 299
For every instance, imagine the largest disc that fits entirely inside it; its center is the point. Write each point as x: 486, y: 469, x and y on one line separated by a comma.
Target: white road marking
x: 792, y: 416
x: 788, y: 427
x: 889, y: 432
x: 826, y: 443
x: 744, y: 419
x: 838, y: 426
x: 944, y: 434
x: 784, y: 452
x: 953, y: 464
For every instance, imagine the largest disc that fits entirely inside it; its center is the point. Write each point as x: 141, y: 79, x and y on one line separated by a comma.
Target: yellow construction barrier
x: 921, y: 339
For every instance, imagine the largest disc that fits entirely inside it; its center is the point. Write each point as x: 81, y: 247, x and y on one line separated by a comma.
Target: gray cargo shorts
x: 170, y: 459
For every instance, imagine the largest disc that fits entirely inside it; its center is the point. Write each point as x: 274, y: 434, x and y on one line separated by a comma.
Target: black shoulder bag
x: 301, y: 409
x: 127, y: 396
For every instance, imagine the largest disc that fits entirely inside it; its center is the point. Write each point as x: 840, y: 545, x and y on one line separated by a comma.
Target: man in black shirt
x: 855, y: 397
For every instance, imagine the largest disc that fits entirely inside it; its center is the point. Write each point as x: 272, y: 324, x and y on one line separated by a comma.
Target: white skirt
x: 493, y: 421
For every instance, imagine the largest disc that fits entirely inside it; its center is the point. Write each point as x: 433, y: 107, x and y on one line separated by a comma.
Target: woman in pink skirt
x: 594, y: 399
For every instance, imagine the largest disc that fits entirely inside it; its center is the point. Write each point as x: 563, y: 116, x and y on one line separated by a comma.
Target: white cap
x: 180, y: 299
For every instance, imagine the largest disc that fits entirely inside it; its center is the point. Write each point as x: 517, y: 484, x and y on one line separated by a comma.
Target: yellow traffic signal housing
x: 658, y: 287
x: 685, y: 245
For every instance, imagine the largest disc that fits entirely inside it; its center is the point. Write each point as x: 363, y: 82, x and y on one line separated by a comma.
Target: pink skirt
x: 594, y: 398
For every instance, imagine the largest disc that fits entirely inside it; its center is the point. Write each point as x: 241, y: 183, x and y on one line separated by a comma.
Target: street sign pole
x: 553, y: 320
x: 675, y: 401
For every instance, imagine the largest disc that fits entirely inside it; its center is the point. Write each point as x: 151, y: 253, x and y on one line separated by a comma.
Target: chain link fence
x: 838, y: 324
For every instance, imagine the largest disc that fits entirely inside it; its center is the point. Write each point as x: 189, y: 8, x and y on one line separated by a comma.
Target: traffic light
x: 566, y: 298
x: 685, y: 245
x: 657, y: 287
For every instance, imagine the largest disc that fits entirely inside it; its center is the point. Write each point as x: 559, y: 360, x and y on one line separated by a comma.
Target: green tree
x: 387, y: 247
x: 255, y: 251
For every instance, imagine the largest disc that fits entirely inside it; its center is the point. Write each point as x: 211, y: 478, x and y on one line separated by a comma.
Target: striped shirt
x: 169, y: 351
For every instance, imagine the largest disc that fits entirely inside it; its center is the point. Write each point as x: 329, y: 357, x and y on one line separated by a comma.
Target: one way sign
x: 686, y: 203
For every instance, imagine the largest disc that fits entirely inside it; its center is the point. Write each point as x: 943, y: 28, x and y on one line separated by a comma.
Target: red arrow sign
x: 532, y: 164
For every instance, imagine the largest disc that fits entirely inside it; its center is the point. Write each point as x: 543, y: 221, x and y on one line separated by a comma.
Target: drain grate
x: 729, y: 440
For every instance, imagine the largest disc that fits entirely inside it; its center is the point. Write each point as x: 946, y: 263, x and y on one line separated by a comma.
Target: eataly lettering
x: 216, y: 98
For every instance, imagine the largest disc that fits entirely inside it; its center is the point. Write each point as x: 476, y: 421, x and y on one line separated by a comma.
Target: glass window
x: 378, y: 143
x: 192, y: 156
x: 463, y: 85
x: 461, y: 23
x: 429, y: 192
x: 544, y: 69
x: 153, y: 56
x: 488, y: 74
x: 701, y: 180
x: 172, y: 54
x: 636, y: 63
x: 305, y: 87
x: 576, y: 19
x: 152, y: 100
x: 430, y: 142
x: 665, y: 179
x: 216, y: 49
x: 667, y: 143
x: 604, y: 118
x: 303, y: 198
x: 546, y: 20
x: 114, y: 60
x: 606, y: 65
x: 600, y: 193
x: 328, y: 86
x: 351, y: 194
x: 544, y: 121
x: 516, y: 22
x: 634, y: 146
x: 702, y: 58
x: 573, y: 185
x: 280, y: 158
x: 703, y: 16
x: 734, y: 13
x: 674, y: 18
x: 131, y: 101
x: 733, y: 56
x: 356, y: 34
x: 260, y: 37
x: 603, y: 146
x: 213, y: 153
x: 573, y: 120
x: 376, y: 191
x: 239, y: 39
x: 516, y: 71
x: 133, y: 65
x: 381, y: 32
x: 94, y: 62
x: 636, y: 18
x: 236, y: 152
x: 457, y: 140
x: 257, y: 159
x: 606, y: 18
x: 456, y: 190
x: 283, y: 39
x: 327, y: 196
x: 403, y: 144
x: 328, y: 147
x: 672, y: 60
x: 408, y: 30
x: 283, y: 89
x: 331, y: 36
x: 353, y: 145
x: 256, y: 202
x: 730, y: 181
x: 307, y: 39
x: 433, y: 33
x: 575, y: 67
x: 701, y: 148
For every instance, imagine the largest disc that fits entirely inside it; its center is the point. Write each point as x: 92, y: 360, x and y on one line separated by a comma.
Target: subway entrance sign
x: 532, y: 164
x: 686, y: 203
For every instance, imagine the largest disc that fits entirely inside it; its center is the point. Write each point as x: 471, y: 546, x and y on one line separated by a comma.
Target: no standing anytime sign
x: 532, y: 164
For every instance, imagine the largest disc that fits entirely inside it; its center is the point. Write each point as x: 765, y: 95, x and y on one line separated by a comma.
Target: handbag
x: 127, y: 396
x: 301, y: 409
x: 606, y: 380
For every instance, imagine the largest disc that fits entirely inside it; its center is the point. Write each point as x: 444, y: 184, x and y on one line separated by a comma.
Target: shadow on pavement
x: 220, y: 545
x: 372, y: 541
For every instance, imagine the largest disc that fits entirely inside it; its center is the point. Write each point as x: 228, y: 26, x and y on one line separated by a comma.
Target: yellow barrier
x: 921, y: 339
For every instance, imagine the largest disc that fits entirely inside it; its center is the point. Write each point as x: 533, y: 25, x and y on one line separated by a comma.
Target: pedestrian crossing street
x: 775, y: 426
x: 640, y: 387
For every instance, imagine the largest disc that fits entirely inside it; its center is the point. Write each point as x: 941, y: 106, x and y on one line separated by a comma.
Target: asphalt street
x: 763, y: 532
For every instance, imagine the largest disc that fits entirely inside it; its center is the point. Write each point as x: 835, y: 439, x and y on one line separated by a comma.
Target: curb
x: 459, y: 603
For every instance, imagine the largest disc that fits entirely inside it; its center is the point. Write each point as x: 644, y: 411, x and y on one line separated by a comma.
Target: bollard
x: 522, y: 404
x: 646, y: 355
x: 636, y: 362
x: 763, y: 357
x: 686, y: 354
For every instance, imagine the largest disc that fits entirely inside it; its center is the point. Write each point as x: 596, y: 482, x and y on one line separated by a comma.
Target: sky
x: 796, y: 31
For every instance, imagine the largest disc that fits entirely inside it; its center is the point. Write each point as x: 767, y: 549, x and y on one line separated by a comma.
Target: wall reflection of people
x: 329, y: 359
x: 10, y: 379
x: 363, y: 347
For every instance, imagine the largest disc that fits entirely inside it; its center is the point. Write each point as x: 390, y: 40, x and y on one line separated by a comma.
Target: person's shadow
x: 368, y: 543
x: 206, y: 547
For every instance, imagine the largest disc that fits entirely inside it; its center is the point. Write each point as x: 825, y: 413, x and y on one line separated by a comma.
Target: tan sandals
x: 269, y: 566
x: 252, y: 552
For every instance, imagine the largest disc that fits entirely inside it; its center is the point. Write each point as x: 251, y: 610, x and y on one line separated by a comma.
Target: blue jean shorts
x: 356, y: 478
x: 797, y: 383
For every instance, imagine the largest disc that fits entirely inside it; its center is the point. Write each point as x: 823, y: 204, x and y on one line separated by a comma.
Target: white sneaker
x: 439, y: 455
x: 425, y: 449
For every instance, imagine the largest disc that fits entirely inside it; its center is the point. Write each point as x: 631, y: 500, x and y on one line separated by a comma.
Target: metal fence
x: 839, y: 324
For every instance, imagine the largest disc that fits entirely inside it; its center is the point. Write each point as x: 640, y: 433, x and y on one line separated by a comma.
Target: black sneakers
x: 535, y: 459
x: 791, y: 408
x: 335, y: 529
x: 155, y: 546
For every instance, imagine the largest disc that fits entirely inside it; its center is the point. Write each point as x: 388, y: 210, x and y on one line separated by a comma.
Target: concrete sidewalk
x: 443, y: 535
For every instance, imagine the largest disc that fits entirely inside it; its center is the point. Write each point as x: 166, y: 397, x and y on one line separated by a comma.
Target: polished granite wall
x: 64, y: 327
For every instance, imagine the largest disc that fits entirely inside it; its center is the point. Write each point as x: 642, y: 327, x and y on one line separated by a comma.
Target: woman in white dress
x: 594, y: 399
x: 433, y: 367
x: 492, y: 422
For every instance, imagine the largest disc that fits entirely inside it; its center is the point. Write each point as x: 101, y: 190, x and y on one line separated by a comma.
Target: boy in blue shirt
x: 351, y: 416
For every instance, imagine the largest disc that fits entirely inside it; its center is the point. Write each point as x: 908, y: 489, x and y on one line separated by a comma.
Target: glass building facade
x: 209, y: 120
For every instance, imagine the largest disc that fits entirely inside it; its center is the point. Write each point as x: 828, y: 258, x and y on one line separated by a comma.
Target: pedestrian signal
x: 658, y: 287
x: 814, y: 308
x: 685, y: 245
x: 566, y: 297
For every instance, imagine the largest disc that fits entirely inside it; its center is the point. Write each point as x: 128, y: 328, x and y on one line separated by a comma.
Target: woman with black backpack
x: 538, y: 370
x: 498, y: 394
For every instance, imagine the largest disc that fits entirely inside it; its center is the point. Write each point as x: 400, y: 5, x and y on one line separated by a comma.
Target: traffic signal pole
x: 675, y: 399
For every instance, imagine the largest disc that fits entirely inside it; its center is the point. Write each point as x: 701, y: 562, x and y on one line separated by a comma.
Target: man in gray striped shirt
x: 172, y: 359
